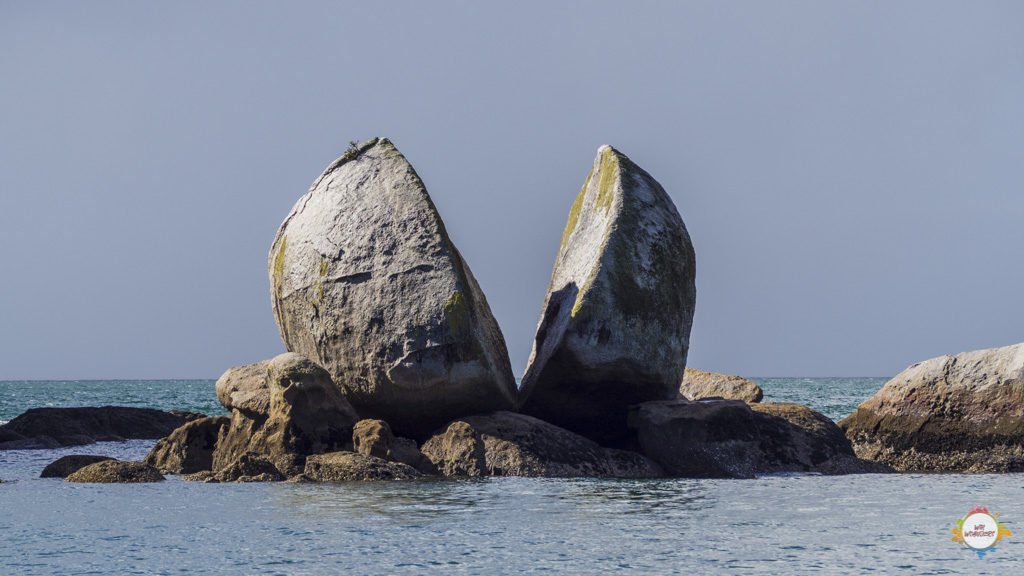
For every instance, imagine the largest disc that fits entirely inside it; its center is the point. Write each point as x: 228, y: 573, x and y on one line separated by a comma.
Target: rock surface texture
x: 349, y: 466
x: 962, y: 413
x: 188, y: 449
x: 510, y: 444
x: 699, y: 384
x: 615, y: 325
x: 67, y: 465
x: 374, y: 438
x: 366, y: 282
x: 115, y: 472
x: 733, y: 439
x: 284, y: 411
x: 54, y: 427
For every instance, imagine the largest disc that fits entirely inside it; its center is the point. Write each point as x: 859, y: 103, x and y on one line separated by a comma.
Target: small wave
x: 2, y: 422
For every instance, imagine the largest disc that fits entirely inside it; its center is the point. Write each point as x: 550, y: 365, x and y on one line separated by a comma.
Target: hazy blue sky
x: 852, y: 174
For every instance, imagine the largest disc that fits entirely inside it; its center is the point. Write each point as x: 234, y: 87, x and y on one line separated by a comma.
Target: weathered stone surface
x: 509, y: 444
x: 249, y: 467
x: 245, y: 388
x: 52, y: 427
x: 733, y: 439
x: 189, y: 448
x: 615, y: 325
x: 962, y: 413
x: 67, y: 465
x: 699, y: 384
x: 372, y: 438
x: 201, y: 476
x: 115, y: 472
x: 366, y: 282
x: 305, y: 414
x: 349, y: 466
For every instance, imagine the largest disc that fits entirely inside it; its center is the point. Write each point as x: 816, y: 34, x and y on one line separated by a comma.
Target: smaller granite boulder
x: 188, y: 449
x: 249, y: 467
x: 67, y: 465
x: 285, y: 410
x: 510, y: 444
x: 698, y: 384
x: 116, y: 472
x: 349, y: 466
x: 962, y: 413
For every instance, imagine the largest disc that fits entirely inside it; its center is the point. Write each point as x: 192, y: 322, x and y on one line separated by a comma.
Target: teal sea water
x: 772, y: 525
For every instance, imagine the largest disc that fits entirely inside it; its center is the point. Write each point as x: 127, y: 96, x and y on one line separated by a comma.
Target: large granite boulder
x: 962, y: 413
x: 510, y: 444
x: 732, y: 439
x: 366, y: 282
x: 67, y: 465
x: 699, y: 384
x: 188, y: 449
x: 349, y: 466
x: 54, y: 427
x: 115, y: 472
x: 285, y: 411
x: 615, y: 325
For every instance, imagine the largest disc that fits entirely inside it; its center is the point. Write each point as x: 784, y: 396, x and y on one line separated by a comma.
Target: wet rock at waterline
x: 615, y: 325
x: 699, y: 384
x: 962, y: 413
x: 115, y: 472
x: 732, y: 439
x: 510, y: 444
x: 42, y: 428
x: 188, y: 449
x: 349, y: 466
x: 291, y: 409
x: 366, y: 282
x: 67, y: 465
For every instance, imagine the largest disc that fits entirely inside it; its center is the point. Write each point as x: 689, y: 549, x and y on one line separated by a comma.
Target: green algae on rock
x: 366, y: 282
x: 615, y: 325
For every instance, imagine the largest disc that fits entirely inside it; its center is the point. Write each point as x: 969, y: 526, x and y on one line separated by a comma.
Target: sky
x: 851, y: 173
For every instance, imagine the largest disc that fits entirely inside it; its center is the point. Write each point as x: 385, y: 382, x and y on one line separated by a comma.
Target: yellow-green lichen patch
x: 574, y: 212
x: 323, y: 267
x: 456, y: 315
x: 279, y: 261
x: 606, y: 178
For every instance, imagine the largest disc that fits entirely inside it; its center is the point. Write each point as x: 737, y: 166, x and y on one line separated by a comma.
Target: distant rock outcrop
x: 284, y: 410
x: 67, y: 465
x: 699, y: 384
x: 962, y: 413
x: 115, y: 472
x: 366, y: 282
x: 509, y: 444
x: 55, y: 427
x: 733, y: 439
x: 615, y: 325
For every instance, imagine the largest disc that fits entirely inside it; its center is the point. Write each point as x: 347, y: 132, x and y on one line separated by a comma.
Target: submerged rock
x: 303, y: 413
x: 615, y: 325
x: 115, y: 472
x: 366, y: 282
x: 962, y: 413
x: 699, y: 384
x: 188, y: 449
x: 67, y: 465
x: 53, y: 427
x: 509, y: 444
x: 349, y: 466
x: 733, y: 439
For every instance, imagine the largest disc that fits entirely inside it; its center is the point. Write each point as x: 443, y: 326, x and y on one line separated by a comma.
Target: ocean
x: 775, y: 524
